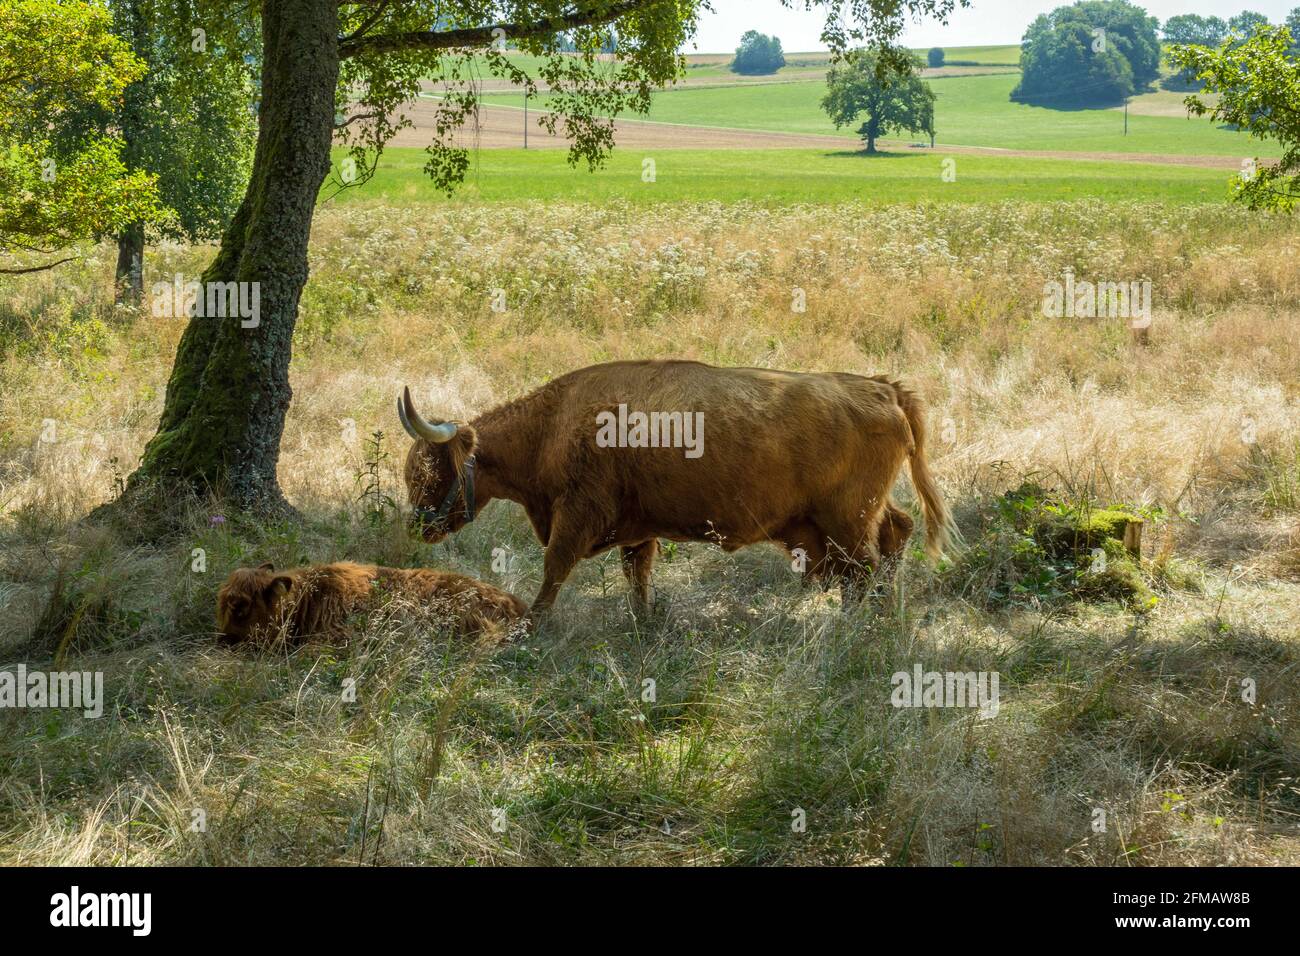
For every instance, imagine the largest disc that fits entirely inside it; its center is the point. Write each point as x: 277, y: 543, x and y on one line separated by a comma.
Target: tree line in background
x: 1097, y: 53
x: 1093, y: 53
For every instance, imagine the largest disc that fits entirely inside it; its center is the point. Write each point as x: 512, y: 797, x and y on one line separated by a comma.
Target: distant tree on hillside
x: 1258, y: 86
x: 758, y: 54
x: 1245, y: 23
x: 935, y: 57
x: 1189, y: 29
x: 1095, y: 52
x: 1293, y: 24
x: 888, y: 91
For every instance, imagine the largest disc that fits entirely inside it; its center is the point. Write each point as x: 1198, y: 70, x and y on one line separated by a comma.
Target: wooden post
x: 1133, y: 538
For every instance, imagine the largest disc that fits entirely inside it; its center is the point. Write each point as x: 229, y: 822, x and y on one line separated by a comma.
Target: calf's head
x: 251, y: 603
x: 438, y: 483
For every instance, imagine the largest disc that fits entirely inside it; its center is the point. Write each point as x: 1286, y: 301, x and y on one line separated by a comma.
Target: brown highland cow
x: 623, y: 454
x: 265, y: 605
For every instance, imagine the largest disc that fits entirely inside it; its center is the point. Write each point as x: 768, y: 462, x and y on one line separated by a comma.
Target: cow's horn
x: 417, y: 427
x: 406, y: 422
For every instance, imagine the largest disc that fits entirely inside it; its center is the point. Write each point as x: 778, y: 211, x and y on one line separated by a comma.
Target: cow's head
x: 250, y: 603
x: 439, y: 472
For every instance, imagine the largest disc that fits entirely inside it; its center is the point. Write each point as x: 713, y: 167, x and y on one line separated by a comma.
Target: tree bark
x: 229, y: 388
x: 128, y: 279
x: 872, y: 129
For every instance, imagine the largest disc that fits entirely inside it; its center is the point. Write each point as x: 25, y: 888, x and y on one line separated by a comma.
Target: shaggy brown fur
x: 264, y: 605
x: 805, y: 460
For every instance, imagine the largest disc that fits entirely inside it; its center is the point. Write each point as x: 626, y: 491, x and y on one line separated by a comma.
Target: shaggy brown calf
x: 623, y: 454
x: 263, y: 604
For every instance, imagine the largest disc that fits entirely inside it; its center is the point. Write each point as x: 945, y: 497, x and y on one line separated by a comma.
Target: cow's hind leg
x: 638, y: 563
x: 891, y: 539
x: 852, y: 554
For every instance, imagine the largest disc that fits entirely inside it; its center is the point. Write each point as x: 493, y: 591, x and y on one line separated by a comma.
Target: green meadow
x: 1004, y: 55
x: 785, y: 176
x: 971, y: 111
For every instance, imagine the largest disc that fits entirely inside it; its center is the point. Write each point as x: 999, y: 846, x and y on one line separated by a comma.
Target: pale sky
x: 984, y: 23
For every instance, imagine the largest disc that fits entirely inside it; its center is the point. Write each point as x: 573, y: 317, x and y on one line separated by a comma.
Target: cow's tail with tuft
x: 941, y: 532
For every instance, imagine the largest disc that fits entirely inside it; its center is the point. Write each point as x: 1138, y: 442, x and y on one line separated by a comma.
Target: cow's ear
x: 267, y: 566
x: 280, y: 585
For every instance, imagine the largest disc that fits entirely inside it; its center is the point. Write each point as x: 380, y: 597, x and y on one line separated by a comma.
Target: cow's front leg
x: 638, y: 564
x: 570, y: 541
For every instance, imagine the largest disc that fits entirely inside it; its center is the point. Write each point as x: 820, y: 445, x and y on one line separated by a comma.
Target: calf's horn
x: 417, y: 427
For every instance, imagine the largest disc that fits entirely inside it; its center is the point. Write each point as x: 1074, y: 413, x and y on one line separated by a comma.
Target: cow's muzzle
x: 433, y: 524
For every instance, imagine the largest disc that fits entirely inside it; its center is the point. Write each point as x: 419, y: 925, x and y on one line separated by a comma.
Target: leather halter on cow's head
x: 439, y: 472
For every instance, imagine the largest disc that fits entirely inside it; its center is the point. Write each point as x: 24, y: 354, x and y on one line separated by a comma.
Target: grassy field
x: 1005, y: 55
x: 973, y: 109
x: 771, y: 700
x: 978, y: 111
x: 970, y: 111
x: 785, y: 176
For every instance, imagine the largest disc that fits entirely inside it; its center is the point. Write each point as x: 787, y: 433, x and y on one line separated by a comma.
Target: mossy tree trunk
x: 229, y: 388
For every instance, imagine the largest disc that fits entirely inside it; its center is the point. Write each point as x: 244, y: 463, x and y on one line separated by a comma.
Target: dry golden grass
x: 769, y: 698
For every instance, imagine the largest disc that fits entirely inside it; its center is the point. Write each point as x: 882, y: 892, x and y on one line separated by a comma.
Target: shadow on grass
x: 863, y: 154
x: 1180, y: 83
x: 1066, y: 103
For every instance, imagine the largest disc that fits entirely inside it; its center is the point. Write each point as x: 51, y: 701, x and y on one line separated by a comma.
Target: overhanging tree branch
x: 47, y: 266
x: 482, y: 36
x: 380, y: 9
